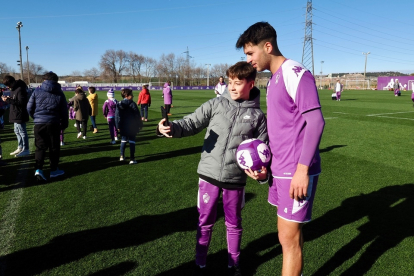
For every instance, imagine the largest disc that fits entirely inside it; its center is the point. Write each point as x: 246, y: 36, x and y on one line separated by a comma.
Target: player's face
x: 240, y: 89
x: 257, y: 56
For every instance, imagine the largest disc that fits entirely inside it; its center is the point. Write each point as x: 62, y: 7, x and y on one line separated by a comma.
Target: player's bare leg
x: 291, y: 239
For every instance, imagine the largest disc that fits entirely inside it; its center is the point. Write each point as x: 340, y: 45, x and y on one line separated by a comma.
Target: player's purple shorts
x: 287, y: 208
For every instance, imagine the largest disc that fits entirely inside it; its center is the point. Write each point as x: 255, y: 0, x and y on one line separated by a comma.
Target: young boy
x: 229, y: 119
x: 128, y: 121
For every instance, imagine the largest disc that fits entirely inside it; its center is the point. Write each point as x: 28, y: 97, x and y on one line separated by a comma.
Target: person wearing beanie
x: 108, y: 110
x: 93, y: 101
x: 144, y: 99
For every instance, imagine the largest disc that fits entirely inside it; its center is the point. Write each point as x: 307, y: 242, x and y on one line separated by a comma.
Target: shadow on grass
x: 74, y: 246
x: 115, y: 270
x: 331, y: 148
x: 170, y: 154
x: 388, y: 225
x: 251, y: 258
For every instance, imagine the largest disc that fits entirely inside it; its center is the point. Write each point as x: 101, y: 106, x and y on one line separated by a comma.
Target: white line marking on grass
x: 400, y: 118
x: 327, y: 118
x: 340, y: 112
x: 8, y: 221
x: 390, y: 113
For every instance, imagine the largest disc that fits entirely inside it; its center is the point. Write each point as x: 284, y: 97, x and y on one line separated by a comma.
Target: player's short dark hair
x: 9, y: 81
x: 92, y: 89
x: 126, y: 92
x: 50, y: 76
x: 242, y: 70
x: 257, y: 33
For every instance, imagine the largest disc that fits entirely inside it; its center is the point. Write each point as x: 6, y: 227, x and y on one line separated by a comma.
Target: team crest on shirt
x: 297, y: 70
x: 206, y: 198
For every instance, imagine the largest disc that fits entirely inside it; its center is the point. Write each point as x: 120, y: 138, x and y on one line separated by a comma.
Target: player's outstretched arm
x: 164, y: 130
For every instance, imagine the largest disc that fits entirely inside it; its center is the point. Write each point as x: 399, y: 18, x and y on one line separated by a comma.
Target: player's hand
x: 164, y: 130
x: 299, y: 184
x: 257, y: 175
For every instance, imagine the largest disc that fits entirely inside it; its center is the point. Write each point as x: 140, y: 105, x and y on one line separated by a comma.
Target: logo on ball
x: 253, y: 154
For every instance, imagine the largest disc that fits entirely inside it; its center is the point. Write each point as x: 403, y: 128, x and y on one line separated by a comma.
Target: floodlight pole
x: 366, y: 56
x: 320, y: 79
x: 208, y: 74
x: 20, y: 25
x: 28, y: 67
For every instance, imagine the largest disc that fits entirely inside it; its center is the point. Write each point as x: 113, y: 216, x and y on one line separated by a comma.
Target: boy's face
x: 257, y: 56
x: 239, y: 89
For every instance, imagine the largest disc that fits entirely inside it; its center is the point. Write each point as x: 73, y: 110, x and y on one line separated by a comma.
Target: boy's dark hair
x: 126, y: 92
x: 50, y: 76
x: 9, y: 81
x: 92, y: 89
x: 257, y: 33
x: 242, y: 70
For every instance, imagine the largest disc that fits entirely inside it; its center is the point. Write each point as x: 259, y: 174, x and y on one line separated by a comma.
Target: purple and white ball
x: 253, y: 154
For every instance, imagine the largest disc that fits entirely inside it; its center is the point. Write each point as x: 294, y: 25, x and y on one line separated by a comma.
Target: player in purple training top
x: 295, y: 125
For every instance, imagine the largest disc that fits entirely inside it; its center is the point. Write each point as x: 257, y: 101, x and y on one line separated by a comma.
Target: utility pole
x: 28, y: 67
x: 208, y: 74
x: 320, y: 79
x: 307, y: 54
x: 366, y: 56
x: 18, y: 27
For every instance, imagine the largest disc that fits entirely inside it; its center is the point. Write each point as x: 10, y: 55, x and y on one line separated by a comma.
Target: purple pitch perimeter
x: 384, y: 81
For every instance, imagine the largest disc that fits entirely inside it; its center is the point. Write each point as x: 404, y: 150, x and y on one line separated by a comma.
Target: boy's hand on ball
x: 257, y: 175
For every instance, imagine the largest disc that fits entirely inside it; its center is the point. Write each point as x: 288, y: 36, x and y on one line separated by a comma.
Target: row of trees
x: 120, y: 66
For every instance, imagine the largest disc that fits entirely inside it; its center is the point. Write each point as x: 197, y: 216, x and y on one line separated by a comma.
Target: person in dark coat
x: 83, y: 110
x: 48, y: 108
x: 128, y: 122
x: 18, y: 113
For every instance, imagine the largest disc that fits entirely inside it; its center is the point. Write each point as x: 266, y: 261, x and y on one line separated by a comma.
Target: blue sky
x: 64, y: 36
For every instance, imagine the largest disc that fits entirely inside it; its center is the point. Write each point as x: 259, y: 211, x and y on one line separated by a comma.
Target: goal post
x: 357, y: 84
x: 410, y: 85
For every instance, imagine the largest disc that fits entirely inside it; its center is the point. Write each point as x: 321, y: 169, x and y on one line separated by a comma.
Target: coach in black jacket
x: 48, y: 108
x: 18, y: 113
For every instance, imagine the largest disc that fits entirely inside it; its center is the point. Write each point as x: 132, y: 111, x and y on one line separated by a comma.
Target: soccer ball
x: 253, y: 154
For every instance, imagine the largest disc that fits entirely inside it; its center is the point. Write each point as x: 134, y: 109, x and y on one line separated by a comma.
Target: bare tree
x: 114, y: 63
x: 5, y: 69
x: 149, y: 65
x: 167, y: 66
x: 37, y: 70
x: 92, y: 73
x: 135, y: 62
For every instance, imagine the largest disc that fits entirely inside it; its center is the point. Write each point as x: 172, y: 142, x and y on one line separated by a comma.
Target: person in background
x: 109, y: 109
x: 128, y: 121
x: 83, y: 109
x: 167, y: 93
x: 144, y: 99
x: 48, y: 108
x: 93, y: 101
x: 18, y: 113
x: 220, y: 87
x: 339, y: 87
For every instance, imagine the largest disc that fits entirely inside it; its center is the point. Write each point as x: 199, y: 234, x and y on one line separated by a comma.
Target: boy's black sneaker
x: 199, y: 271
x: 234, y: 271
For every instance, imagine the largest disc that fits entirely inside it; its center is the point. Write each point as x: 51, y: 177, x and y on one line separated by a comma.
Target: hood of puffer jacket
x: 52, y: 87
x: 124, y: 104
x: 252, y: 102
x: 19, y: 83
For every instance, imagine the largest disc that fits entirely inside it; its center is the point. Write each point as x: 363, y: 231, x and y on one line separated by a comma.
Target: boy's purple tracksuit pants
x: 112, y: 128
x: 233, y: 203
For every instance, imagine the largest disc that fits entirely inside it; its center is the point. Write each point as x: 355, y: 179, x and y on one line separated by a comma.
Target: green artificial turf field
x: 105, y: 217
